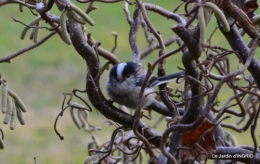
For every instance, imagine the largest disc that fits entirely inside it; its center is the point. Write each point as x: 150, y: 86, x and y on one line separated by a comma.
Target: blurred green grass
x: 41, y: 76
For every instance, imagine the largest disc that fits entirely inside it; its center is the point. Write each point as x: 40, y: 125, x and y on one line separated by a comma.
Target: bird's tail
x: 165, y: 79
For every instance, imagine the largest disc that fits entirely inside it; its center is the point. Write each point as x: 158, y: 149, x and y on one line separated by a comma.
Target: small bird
x: 125, y: 81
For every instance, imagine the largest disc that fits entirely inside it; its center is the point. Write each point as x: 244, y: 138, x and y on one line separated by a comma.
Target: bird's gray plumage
x: 125, y: 81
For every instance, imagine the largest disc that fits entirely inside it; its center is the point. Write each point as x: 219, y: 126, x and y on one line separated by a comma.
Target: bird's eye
x: 128, y: 75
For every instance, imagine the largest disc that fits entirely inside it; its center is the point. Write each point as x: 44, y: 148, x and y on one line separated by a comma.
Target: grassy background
x: 41, y: 76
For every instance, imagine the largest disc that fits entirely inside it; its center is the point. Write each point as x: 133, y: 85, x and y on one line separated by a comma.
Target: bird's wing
x: 152, y: 79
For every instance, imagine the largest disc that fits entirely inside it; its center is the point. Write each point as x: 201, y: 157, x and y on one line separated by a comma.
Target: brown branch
x: 53, y: 21
x: 238, y: 45
x: 89, y: 9
x: 102, y: 52
x: 127, y: 13
x: 2, y: 3
x: 161, y: 63
x: 165, y: 13
x: 155, y: 46
x: 39, y: 27
x: 94, y: 93
x: 209, y: 104
x: 104, y: 1
x: 132, y: 36
x: 236, y: 13
x: 138, y: 110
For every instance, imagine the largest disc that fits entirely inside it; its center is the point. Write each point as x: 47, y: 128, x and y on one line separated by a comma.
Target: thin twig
x: 11, y: 56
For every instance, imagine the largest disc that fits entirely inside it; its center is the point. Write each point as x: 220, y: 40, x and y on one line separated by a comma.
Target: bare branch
x: 11, y: 56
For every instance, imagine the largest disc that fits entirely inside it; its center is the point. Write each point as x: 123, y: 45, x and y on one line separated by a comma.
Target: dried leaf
x: 249, y: 8
x: 206, y: 145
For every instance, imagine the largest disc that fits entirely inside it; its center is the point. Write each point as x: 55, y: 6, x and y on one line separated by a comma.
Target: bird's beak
x: 119, y: 81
